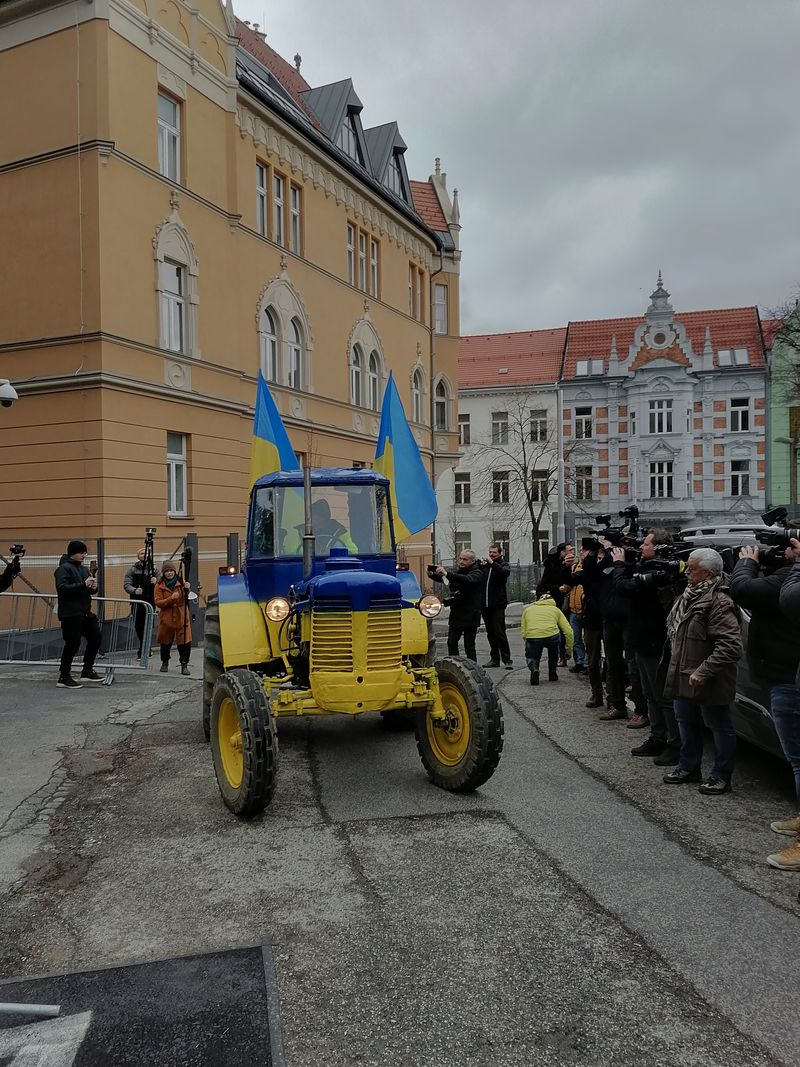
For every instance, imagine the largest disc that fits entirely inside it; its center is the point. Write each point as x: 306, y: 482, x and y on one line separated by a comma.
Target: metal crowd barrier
x: 30, y: 632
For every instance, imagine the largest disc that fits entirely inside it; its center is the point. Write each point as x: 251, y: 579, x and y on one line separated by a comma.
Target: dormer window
x: 585, y: 367
x: 394, y: 177
x: 347, y: 139
x: 733, y: 357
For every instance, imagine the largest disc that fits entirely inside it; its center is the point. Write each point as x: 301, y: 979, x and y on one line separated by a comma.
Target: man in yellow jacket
x: 541, y: 625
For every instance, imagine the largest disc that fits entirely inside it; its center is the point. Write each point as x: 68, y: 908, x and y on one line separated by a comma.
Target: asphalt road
x: 575, y: 910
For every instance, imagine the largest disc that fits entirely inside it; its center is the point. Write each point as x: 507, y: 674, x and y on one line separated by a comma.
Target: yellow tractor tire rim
x: 450, y: 741
x: 229, y: 734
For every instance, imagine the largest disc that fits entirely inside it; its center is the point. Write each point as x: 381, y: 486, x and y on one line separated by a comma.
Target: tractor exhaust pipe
x: 308, y: 532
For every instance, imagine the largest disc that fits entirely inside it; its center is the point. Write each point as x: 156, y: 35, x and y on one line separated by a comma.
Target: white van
x: 723, y: 536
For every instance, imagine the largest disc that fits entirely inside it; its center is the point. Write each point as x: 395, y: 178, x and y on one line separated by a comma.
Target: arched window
x: 295, y: 355
x: 269, y: 346
x: 374, y: 381
x: 176, y: 287
x: 356, y: 373
x: 440, y: 399
x: 416, y: 396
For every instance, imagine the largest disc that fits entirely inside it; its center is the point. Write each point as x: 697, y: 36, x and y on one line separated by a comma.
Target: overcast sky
x: 592, y: 141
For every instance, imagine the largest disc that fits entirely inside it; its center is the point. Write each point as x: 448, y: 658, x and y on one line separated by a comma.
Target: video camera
x: 627, y: 535
x: 778, y: 540
x: 17, y: 551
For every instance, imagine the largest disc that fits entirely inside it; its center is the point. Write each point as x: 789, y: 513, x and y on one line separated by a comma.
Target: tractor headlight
x: 277, y: 609
x: 429, y: 606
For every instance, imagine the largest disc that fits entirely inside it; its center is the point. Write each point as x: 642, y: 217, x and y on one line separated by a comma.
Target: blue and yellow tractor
x: 320, y: 621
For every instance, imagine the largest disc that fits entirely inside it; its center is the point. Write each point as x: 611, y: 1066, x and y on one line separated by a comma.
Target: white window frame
x: 464, y: 430
x: 362, y: 261
x: 632, y: 422
x: 411, y: 289
x: 351, y: 253
x: 540, y: 485
x: 177, y: 476
x: 262, y: 178
x: 295, y: 349
x: 420, y: 297
x: 278, y: 207
x: 583, y: 423
x: 356, y: 375
x: 733, y: 357
x: 501, y: 487
x: 416, y: 397
x: 662, y: 479
x: 173, y: 308
x: 499, y: 427
x: 660, y: 415
x: 270, y: 367
x: 739, y: 420
x: 740, y: 477
x: 462, y: 541
x: 373, y: 266
x: 169, y: 140
x: 584, y: 489
x: 348, y: 139
x: 440, y: 405
x: 295, y: 227
x: 503, y: 538
x: 394, y: 176
x: 462, y: 488
x: 374, y: 381
x: 441, y: 308
x: 537, y: 427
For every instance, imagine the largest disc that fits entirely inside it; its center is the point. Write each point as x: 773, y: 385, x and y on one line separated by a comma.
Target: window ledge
x: 180, y: 518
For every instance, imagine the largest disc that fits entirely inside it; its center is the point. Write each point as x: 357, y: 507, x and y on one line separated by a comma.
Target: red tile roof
x: 427, y: 205
x: 730, y: 328
x: 769, y: 327
x: 531, y: 357
x: 289, y: 77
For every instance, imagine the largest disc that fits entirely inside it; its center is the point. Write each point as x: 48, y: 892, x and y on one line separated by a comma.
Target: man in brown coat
x: 704, y: 629
x: 175, y: 623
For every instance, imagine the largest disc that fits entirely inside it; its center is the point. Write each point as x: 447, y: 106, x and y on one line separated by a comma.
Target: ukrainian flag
x: 397, y: 457
x: 271, y: 449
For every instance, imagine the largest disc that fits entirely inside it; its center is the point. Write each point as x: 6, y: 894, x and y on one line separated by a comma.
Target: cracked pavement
x: 573, y: 911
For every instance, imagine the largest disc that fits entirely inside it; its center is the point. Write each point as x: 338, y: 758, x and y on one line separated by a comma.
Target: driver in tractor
x: 328, y: 533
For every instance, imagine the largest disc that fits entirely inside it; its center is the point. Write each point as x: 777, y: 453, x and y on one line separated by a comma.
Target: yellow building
x: 178, y: 207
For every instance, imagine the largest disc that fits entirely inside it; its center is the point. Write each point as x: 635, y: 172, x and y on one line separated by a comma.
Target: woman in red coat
x: 175, y: 620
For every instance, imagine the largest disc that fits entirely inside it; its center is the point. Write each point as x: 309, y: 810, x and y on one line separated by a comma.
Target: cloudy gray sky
x: 592, y: 141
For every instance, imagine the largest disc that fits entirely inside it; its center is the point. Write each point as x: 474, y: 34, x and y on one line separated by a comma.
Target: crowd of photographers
x: 665, y: 623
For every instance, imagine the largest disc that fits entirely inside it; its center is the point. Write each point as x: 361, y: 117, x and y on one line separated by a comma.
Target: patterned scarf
x: 690, y: 594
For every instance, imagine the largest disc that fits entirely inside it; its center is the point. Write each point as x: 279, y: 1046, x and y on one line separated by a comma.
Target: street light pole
x: 794, y: 458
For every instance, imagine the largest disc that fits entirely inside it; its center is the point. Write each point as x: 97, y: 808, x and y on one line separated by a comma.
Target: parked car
x: 752, y: 718
x: 723, y: 536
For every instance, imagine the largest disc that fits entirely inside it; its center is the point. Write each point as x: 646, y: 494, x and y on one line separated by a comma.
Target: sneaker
x: 613, y: 713
x: 680, y: 776
x: 534, y: 677
x: 650, y: 747
x: 509, y: 666
x: 788, y: 859
x: 164, y: 668
x: 638, y: 722
x: 68, y: 683
x: 789, y: 827
x: 184, y: 669
x: 91, y: 676
x: 669, y: 757
x: 714, y: 787
x: 491, y: 663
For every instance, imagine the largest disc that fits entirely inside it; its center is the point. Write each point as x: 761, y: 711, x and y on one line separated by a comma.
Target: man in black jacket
x: 773, y: 653
x: 555, y: 574
x: 139, y: 584
x: 494, y: 601
x: 651, y: 591
x: 75, y: 587
x: 465, y: 603
x: 9, y: 574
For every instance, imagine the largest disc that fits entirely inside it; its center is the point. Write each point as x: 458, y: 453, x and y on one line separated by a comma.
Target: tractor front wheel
x: 461, y: 751
x: 212, y: 660
x: 244, y: 742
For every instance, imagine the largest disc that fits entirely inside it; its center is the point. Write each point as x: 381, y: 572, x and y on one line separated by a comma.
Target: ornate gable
x: 660, y: 336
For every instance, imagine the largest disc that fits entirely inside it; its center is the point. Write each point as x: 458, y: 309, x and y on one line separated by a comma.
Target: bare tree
x: 519, y: 468
x: 786, y: 372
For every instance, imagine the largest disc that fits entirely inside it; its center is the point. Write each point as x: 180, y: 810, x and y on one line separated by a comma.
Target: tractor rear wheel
x: 212, y: 659
x: 244, y: 742
x: 462, y: 751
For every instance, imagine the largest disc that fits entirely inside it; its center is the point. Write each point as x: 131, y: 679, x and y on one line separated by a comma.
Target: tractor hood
x: 346, y: 585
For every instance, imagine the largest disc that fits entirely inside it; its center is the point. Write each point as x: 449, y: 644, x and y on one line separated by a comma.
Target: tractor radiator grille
x: 332, y: 641
x: 384, y: 640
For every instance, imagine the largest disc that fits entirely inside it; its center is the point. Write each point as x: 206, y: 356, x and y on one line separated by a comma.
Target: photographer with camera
x: 773, y: 653
x: 466, y: 583
x: 494, y: 601
x: 651, y: 590
x: 139, y: 584
x: 13, y: 567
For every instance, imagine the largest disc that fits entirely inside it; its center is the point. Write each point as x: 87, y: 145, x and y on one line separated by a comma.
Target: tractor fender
x: 243, y: 627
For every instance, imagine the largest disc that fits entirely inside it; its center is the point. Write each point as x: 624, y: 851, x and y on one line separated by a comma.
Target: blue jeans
x: 785, y: 704
x: 578, y: 651
x: 534, y: 646
x: 690, y: 716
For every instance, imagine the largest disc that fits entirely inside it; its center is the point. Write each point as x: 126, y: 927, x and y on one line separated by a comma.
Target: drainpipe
x: 432, y: 404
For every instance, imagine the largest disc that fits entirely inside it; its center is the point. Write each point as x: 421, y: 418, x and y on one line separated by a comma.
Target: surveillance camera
x: 8, y: 394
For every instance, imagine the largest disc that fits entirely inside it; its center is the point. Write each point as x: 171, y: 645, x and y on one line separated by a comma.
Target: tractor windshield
x: 354, y: 517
